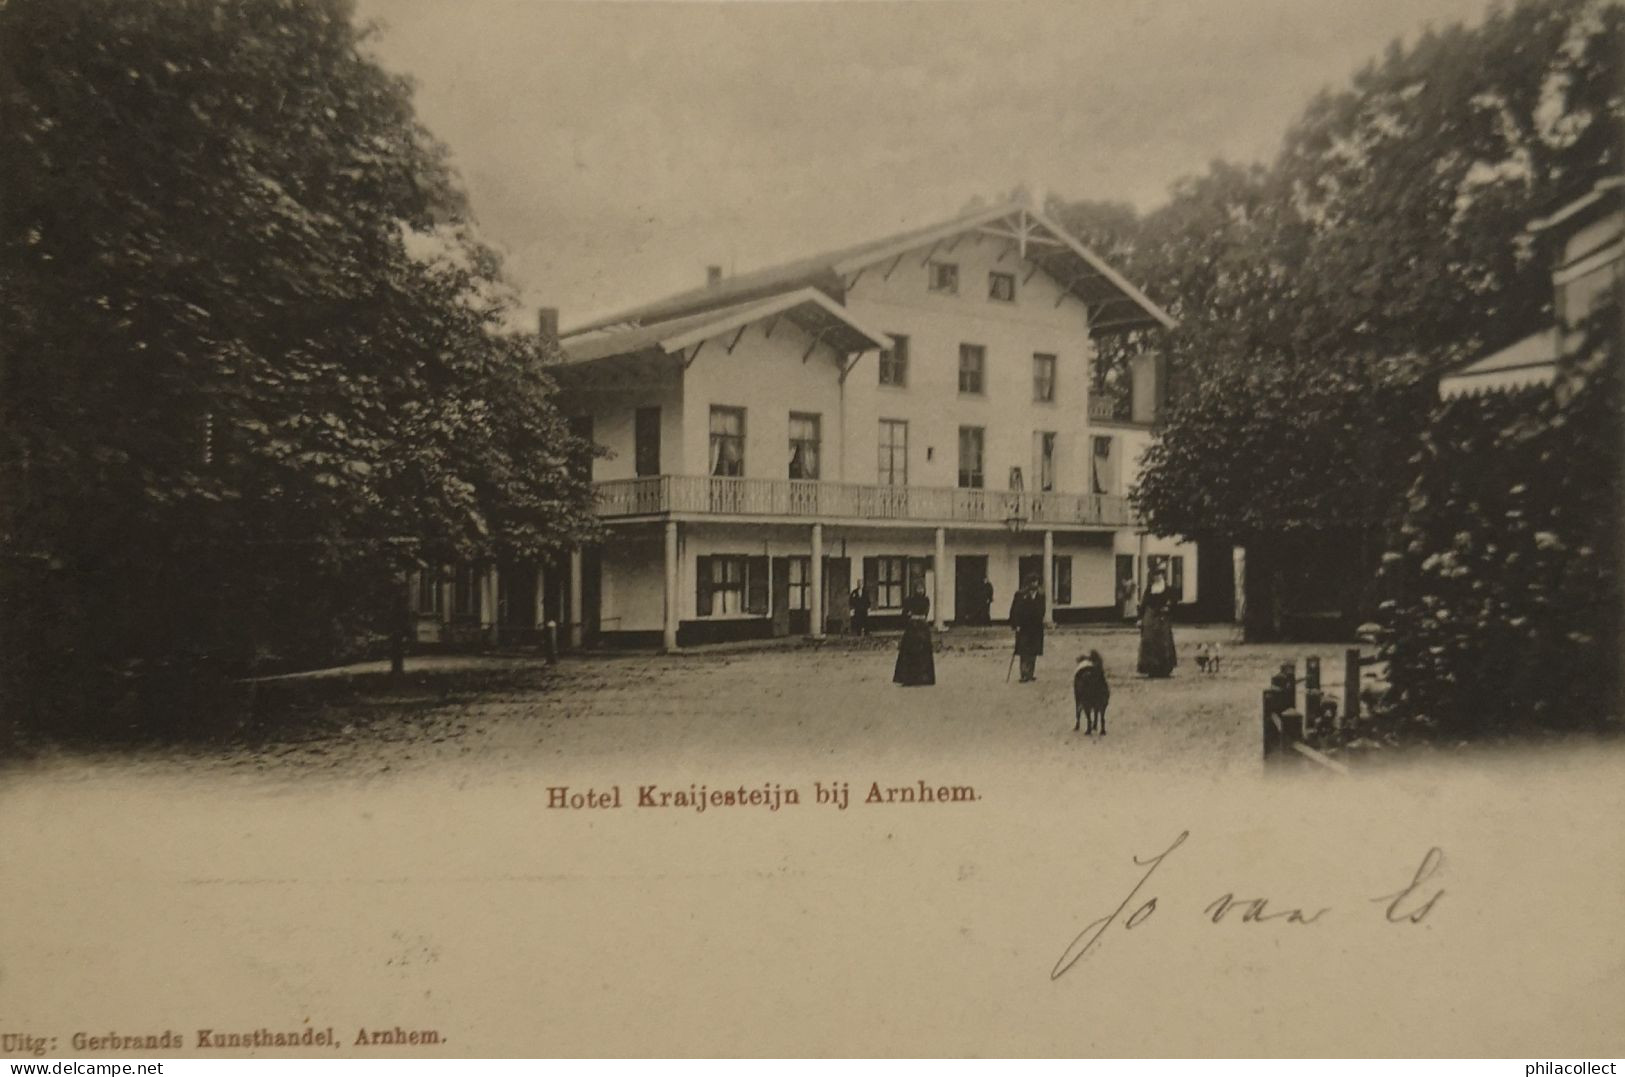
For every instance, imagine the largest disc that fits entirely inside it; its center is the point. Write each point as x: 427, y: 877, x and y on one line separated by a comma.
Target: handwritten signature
x: 1405, y: 905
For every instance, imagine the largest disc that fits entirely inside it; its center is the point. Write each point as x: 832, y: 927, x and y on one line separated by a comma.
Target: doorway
x: 780, y: 602
x: 972, y: 605
x: 837, y: 588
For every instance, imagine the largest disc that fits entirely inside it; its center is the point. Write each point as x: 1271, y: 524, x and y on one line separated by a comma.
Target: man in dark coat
x: 858, y: 603
x: 1027, y: 618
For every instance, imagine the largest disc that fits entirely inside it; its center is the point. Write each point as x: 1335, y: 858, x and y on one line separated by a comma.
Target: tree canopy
x: 1318, y: 295
x: 253, y: 352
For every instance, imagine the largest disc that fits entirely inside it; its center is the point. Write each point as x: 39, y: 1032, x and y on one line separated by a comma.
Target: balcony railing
x: 704, y: 495
x: 1103, y: 406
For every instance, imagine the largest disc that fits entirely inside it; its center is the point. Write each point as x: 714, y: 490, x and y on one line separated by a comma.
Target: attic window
x: 1001, y: 287
x: 945, y: 277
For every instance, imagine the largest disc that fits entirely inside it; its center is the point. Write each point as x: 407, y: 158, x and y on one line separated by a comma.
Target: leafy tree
x: 1505, y: 576
x: 253, y: 368
x: 1318, y: 296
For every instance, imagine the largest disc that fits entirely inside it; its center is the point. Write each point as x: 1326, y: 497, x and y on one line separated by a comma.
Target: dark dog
x: 1090, y: 693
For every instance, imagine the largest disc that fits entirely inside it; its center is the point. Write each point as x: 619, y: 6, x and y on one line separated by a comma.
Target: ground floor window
x: 730, y: 584
x: 886, y: 578
x: 800, y: 575
x: 1172, y: 569
x: 465, y: 592
x: 1061, y: 586
x: 427, y: 600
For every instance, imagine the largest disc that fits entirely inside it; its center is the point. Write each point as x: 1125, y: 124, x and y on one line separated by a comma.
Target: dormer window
x: 1001, y: 287
x: 945, y: 277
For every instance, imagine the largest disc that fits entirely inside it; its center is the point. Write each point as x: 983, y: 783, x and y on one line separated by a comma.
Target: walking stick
x: 1011, y: 666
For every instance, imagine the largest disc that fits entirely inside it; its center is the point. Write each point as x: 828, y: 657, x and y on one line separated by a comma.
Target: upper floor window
x: 1102, y: 467
x: 804, y: 444
x: 894, y: 362
x: 944, y: 277
x: 1581, y: 294
x: 646, y: 441
x: 1001, y: 287
x: 727, y: 441
x: 1044, y: 446
x: 970, y: 457
x: 1044, y: 378
x: 972, y: 368
x: 581, y: 461
x: 893, y: 452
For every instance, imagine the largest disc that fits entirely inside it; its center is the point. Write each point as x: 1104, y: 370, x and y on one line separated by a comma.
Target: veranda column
x: 669, y: 626
x: 938, y: 572
x: 1049, y: 578
x: 578, y: 616
x: 492, y: 603
x: 815, y: 578
x: 541, y: 596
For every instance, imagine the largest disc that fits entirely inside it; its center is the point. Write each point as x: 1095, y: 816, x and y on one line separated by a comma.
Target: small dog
x: 1090, y: 693
x: 1207, y: 659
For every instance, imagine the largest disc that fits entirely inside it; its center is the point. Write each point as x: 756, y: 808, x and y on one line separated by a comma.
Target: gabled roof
x: 820, y: 317
x: 1114, y: 304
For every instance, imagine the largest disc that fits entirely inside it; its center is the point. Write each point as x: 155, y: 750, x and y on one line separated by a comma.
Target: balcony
x: 1105, y: 407
x: 809, y: 500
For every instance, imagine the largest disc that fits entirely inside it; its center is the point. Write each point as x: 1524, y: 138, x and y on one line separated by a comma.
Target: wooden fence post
x: 1289, y: 679
x: 1351, y: 684
x: 1272, y: 736
x: 1291, y: 734
x: 1312, y: 695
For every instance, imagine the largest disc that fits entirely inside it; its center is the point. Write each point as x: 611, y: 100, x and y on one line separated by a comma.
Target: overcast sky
x: 613, y: 150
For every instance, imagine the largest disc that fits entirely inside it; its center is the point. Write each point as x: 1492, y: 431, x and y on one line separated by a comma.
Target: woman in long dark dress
x: 1157, y: 656
x: 915, y: 662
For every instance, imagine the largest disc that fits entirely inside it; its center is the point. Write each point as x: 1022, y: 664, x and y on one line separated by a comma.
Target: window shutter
x: 871, y: 577
x: 756, y: 584
x: 702, y: 587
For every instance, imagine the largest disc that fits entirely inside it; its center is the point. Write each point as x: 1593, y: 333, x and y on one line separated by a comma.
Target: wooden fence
x: 1290, y: 733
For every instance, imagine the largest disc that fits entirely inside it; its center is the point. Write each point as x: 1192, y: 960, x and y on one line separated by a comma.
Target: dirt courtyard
x: 785, y: 704
x: 387, y: 854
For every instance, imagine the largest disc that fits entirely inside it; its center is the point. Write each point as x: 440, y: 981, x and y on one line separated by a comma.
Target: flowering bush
x: 1503, y: 606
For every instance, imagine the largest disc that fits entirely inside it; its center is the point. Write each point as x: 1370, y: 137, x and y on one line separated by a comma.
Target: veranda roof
x: 1531, y: 361
x: 637, y: 350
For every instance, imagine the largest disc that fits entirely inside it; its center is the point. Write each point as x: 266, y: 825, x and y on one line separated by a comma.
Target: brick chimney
x: 713, y: 276
x: 547, y: 323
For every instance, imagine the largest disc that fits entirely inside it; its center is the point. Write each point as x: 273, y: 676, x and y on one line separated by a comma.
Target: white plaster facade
x: 805, y: 342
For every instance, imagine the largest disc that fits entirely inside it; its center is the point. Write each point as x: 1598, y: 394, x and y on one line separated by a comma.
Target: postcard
x: 821, y: 529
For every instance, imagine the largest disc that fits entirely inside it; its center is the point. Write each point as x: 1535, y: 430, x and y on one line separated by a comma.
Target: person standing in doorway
x: 1027, y: 619
x: 858, y: 603
x: 984, y: 612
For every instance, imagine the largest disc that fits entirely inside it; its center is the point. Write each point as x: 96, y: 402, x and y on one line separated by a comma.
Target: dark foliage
x: 1318, y: 296
x: 252, y: 361
x: 1505, y: 579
